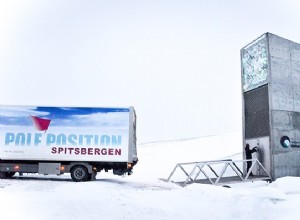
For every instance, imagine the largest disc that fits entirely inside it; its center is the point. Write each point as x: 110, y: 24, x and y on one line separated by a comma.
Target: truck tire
x: 79, y: 173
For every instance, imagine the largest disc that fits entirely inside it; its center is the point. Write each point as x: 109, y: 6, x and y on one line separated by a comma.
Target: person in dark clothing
x: 249, y: 153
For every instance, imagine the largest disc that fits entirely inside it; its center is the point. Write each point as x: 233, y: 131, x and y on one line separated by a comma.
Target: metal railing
x: 214, y: 173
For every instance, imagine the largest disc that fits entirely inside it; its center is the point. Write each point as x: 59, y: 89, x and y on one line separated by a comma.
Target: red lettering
x: 104, y: 151
x: 86, y: 151
x: 53, y: 150
x: 77, y: 151
x: 97, y: 151
x: 70, y: 150
x: 118, y: 151
x: 60, y: 149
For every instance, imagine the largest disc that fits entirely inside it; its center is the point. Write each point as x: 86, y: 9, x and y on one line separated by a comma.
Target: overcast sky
x: 176, y: 61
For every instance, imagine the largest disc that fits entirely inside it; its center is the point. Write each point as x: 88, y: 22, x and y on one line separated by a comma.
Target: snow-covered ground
x: 143, y: 196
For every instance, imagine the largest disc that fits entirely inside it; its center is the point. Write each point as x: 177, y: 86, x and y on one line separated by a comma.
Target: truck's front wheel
x: 79, y: 173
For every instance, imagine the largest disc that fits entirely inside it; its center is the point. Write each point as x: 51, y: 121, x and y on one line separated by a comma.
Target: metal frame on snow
x: 218, y: 178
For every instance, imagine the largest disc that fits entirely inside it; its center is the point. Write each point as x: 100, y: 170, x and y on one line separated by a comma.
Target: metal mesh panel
x: 257, y: 112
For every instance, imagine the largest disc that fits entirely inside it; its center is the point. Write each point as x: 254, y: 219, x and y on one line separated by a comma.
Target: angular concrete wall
x: 284, y: 93
x: 283, y: 82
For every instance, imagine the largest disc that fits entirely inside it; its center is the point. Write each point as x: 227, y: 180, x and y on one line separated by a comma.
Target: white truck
x: 77, y: 140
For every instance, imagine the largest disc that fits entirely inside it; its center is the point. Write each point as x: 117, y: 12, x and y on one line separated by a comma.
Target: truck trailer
x: 81, y: 141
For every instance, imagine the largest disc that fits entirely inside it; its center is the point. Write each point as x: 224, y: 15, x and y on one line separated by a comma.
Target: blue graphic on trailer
x: 91, y: 126
x: 60, y: 116
x: 64, y: 133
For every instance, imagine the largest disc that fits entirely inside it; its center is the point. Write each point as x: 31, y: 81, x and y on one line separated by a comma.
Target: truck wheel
x: 79, y: 173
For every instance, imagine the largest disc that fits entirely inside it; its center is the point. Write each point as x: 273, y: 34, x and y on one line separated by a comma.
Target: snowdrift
x: 144, y: 196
